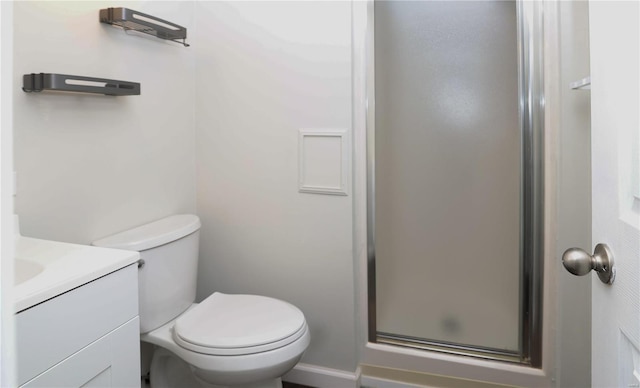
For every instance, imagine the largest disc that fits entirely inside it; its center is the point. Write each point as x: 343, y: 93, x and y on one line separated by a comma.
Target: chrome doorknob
x: 579, y: 262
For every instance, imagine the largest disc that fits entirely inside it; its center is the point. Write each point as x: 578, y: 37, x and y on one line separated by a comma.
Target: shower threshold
x: 451, y: 348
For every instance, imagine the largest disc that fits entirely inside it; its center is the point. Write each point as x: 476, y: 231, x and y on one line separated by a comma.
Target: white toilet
x: 226, y: 340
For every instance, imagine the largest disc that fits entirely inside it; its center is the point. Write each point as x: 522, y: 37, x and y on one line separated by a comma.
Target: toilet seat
x: 229, y: 325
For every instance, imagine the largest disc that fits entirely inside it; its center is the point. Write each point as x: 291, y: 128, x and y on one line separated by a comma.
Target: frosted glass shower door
x: 448, y: 173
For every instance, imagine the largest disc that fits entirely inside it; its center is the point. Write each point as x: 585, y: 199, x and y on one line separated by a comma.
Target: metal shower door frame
x: 530, y: 20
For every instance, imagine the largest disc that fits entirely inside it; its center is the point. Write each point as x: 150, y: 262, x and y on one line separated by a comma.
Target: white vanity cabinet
x: 85, y: 337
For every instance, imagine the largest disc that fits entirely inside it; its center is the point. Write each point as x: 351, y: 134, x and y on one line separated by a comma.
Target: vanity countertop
x: 45, y: 269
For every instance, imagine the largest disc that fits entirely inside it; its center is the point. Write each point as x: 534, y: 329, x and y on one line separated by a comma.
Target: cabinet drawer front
x: 52, y: 331
x: 108, y: 362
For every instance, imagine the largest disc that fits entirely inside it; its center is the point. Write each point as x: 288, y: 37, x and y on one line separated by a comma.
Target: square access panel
x: 323, y: 161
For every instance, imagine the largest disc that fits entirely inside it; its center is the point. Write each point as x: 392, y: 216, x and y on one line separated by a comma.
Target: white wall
x: 266, y: 70
x: 7, y: 334
x: 92, y: 165
x: 574, y: 197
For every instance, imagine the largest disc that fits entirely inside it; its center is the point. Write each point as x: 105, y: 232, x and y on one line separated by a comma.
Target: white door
x: 615, y: 106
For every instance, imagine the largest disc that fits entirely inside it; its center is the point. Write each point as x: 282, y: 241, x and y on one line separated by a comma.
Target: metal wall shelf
x: 37, y: 82
x: 131, y: 20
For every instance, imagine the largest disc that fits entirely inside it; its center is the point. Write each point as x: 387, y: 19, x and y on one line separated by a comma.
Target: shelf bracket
x: 131, y: 20
x: 38, y: 82
x: 581, y: 84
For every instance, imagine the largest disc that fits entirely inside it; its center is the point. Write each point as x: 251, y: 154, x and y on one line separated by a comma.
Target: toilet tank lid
x: 152, y: 235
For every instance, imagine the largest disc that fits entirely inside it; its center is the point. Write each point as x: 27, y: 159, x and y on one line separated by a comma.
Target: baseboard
x: 321, y: 377
x: 377, y: 382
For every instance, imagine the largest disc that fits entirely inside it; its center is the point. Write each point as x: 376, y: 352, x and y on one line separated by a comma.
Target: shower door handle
x: 579, y: 262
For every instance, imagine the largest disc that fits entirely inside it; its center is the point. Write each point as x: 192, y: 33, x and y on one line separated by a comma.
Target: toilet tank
x: 169, y: 263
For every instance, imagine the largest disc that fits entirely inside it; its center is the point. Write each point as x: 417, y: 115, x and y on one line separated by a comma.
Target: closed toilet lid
x: 238, y: 324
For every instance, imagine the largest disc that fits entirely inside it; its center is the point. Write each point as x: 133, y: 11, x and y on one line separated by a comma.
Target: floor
x: 145, y: 384
x: 292, y: 385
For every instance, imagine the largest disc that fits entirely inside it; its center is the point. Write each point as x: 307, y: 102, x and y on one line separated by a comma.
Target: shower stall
x: 454, y: 177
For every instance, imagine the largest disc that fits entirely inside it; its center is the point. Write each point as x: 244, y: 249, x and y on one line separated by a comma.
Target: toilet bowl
x: 246, y: 341
x: 217, y: 351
